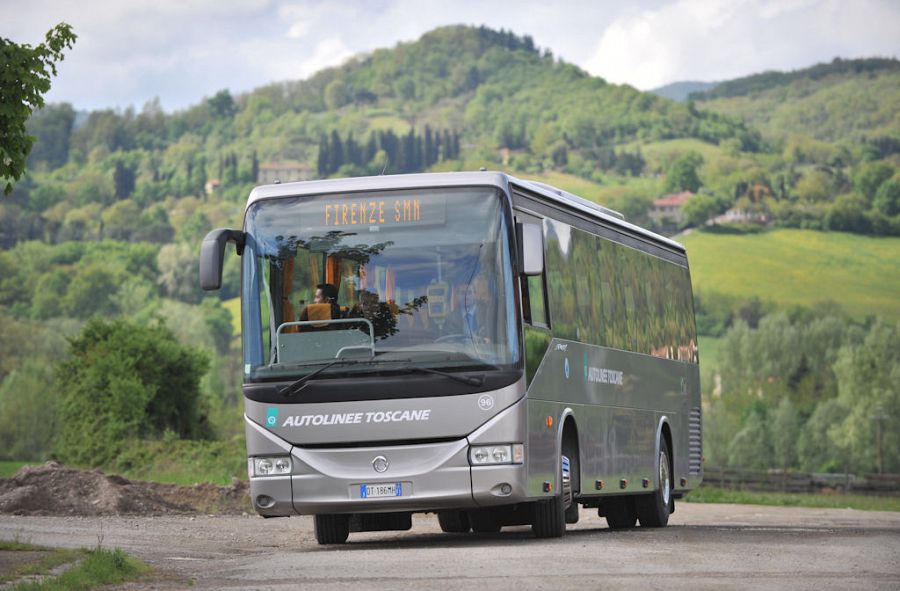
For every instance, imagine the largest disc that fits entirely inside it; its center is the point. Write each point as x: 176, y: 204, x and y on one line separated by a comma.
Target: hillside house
x: 667, y: 210
x: 740, y: 217
x: 285, y: 171
x: 212, y: 186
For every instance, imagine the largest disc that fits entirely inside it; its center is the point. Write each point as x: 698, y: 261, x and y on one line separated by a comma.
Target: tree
x: 28, y: 403
x: 52, y: 128
x: 887, y: 199
x: 870, y: 176
x: 682, y: 175
x: 92, y: 291
x: 700, y: 208
x: 222, y: 105
x: 178, y: 272
x: 24, y: 78
x: 123, y: 380
x: 752, y: 445
x: 336, y: 94
x: 785, y: 432
x: 867, y: 376
x: 848, y: 214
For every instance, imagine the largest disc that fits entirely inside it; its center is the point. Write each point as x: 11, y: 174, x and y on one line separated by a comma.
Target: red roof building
x: 667, y: 209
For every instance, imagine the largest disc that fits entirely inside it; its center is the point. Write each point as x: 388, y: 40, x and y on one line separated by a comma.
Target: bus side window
x: 536, y: 301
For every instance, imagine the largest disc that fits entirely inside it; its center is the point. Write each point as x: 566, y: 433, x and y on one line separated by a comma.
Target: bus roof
x: 456, y: 179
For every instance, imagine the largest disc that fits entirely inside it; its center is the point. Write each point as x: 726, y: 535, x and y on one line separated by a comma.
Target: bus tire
x: 332, y: 529
x: 550, y: 516
x: 620, y: 512
x: 571, y: 490
x: 653, y: 509
x: 484, y: 522
x: 454, y: 522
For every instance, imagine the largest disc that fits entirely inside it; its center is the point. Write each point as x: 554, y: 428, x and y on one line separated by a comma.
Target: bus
x: 490, y: 349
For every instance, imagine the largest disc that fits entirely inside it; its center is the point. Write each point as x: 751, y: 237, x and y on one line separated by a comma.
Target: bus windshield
x: 419, y: 278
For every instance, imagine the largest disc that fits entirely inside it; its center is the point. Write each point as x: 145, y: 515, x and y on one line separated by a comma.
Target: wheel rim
x: 664, y: 477
x: 566, y: 482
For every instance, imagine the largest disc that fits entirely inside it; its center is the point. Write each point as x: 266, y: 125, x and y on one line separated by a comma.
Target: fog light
x: 265, y: 502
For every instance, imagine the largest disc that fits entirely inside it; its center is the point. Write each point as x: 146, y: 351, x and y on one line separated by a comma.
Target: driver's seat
x: 319, y: 312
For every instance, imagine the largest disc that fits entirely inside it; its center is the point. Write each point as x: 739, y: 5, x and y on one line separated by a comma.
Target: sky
x: 130, y: 51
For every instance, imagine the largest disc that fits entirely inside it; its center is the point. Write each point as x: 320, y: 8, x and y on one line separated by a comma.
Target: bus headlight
x: 484, y: 455
x: 272, y: 466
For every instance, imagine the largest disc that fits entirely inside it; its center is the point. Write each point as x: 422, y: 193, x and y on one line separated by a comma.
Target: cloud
x: 720, y: 39
x: 182, y: 50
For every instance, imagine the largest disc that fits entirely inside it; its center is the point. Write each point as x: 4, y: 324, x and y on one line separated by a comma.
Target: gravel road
x: 706, y: 546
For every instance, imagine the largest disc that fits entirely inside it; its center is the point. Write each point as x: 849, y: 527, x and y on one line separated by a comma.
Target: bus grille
x: 695, y: 442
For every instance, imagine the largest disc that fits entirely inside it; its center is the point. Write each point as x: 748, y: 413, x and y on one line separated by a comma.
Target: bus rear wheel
x: 332, y: 529
x: 454, y: 522
x: 620, y: 512
x: 653, y: 509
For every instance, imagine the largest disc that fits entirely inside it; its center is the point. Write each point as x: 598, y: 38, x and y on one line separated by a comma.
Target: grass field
x: 7, y: 469
x: 788, y: 267
x: 819, y: 501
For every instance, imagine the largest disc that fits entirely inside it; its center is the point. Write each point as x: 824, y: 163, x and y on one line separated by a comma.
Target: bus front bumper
x: 417, y: 477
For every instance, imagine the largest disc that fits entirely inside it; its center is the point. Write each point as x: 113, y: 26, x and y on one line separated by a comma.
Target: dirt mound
x: 53, y: 489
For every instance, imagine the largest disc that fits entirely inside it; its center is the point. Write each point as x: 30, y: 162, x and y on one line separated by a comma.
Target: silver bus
x: 489, y: 349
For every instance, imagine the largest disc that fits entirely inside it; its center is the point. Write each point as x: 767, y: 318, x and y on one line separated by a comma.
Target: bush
x: 124, y: 381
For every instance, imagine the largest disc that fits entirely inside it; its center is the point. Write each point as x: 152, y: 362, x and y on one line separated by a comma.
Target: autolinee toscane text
x: 355, y: 418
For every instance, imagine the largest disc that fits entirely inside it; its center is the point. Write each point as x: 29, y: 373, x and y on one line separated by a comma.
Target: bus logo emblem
x: 272, y: 416
x: 567, y: 368
x: 380, y: 464
x: 486, y: 402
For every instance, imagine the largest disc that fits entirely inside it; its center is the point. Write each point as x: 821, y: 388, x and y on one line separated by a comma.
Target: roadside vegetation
x: 90, y: 569
x: 815, y: 500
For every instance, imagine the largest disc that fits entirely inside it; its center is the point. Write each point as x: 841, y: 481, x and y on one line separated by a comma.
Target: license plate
x: 369, y: 491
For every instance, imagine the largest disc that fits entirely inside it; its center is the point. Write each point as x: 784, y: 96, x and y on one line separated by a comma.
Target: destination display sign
x: 389, y: 212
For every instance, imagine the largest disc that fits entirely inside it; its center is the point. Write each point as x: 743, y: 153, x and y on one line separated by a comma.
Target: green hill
x: 680, y: 91
x: 790, y: 267
x: 845, y: 99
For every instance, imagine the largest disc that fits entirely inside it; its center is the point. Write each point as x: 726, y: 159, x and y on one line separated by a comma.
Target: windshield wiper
x: 453, y: 376
x: 295, y: 387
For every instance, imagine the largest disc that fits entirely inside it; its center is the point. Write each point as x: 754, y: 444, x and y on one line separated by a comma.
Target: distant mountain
x: 499, y: 91
x: 758, y: 83
x: 679, y: 91
x: 843, y: 100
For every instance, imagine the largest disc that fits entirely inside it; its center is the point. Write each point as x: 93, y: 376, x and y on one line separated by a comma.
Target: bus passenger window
x: 538, y: 307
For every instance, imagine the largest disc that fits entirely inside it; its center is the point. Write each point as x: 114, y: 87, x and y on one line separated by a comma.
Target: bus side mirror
x: 530, y: 238
x: 212, y: 256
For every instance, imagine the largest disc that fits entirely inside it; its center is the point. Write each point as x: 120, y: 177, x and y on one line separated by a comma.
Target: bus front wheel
x: 332, y: 529
x: 454, y: 522
x: 550, y: 516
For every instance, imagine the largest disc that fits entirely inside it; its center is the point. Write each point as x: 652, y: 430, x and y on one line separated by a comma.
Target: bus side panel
x: 617, y: 399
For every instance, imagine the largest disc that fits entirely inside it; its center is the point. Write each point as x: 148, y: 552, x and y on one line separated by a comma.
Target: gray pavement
x: 706, y: 546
